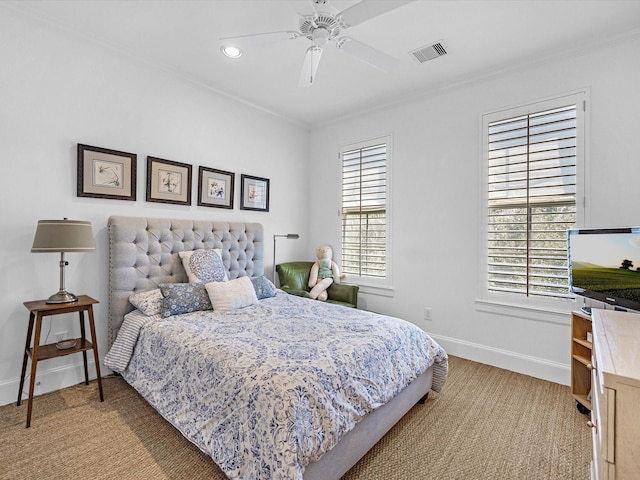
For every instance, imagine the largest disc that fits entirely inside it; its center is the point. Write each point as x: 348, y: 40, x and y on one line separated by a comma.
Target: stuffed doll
x: 323, y: 273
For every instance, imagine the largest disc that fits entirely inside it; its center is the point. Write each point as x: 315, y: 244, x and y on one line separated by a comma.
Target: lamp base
x: 62, y: 297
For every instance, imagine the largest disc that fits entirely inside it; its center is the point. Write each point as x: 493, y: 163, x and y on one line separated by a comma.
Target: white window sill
x: 368, y: 289
x: 559, y: 314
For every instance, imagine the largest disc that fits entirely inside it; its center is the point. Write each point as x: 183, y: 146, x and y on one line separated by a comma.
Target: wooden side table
x: 39, y: 309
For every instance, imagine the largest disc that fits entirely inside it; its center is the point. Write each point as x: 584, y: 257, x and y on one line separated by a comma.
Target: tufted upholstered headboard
x: 143, y: 252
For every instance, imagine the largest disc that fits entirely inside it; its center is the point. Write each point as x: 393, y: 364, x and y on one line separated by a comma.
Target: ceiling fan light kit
x: 324, y: 25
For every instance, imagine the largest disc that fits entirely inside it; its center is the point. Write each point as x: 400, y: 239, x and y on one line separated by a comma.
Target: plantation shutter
x: 364, y: 211
x: 531, y: 201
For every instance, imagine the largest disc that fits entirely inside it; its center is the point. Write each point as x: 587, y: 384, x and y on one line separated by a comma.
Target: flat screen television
x: 604, y: 264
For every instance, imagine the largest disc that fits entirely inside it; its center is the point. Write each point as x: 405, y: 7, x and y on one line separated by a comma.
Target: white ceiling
x: 481, y: 37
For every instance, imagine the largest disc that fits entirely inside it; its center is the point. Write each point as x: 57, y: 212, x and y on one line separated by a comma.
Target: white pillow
x: 148, y: 302
x: 204, y: 266
x: 231, y: 295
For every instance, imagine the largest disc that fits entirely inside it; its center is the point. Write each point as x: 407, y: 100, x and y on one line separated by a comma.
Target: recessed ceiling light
x: 231, y: 52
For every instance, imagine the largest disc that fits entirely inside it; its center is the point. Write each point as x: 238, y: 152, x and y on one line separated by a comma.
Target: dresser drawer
x: 603, y: 414
x: 601, y: 429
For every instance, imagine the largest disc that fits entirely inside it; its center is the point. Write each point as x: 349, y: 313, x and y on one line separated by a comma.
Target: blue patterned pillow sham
x: 263, y: 287
x: 204, y: 265
x: 179, y: 298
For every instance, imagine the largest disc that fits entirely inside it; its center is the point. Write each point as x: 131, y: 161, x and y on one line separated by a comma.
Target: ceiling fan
x: 324, y: 25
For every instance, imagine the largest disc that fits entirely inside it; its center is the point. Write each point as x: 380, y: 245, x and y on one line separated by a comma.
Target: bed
x: 284, y: 387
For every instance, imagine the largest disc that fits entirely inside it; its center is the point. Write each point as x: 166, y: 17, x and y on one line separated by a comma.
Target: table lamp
x: 63, y: 236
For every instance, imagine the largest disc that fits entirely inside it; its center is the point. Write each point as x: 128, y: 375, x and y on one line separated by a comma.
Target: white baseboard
x: 516, y: 362
x: 46, y: 381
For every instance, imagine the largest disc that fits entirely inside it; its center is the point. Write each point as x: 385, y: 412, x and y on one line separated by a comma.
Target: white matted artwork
x: 105, y: 173
x: 168, y: 181
x: 254, y: 193
x: 215, y: 188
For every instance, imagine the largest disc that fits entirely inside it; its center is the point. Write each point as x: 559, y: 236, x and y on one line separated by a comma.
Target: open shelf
x: 583, y: 360
x: 583, y: 400
x: 583, y: 342
x: 51, y: 351
x: 581, y: 351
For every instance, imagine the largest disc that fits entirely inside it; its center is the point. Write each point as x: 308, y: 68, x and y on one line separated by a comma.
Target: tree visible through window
x: 364, y: 211
x: 531, y: 162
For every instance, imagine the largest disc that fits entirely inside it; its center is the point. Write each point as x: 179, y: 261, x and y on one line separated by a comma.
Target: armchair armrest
x: 344, y: 293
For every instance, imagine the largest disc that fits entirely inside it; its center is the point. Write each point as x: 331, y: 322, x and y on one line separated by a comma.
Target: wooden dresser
x: 615, y: 395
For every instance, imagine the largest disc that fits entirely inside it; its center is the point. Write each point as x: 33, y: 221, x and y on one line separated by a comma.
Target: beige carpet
x: 487, y: 424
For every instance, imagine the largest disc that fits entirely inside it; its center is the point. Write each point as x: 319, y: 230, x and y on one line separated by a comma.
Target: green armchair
x: 294, y: 279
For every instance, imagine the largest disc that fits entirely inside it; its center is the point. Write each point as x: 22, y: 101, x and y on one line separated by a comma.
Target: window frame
x: 487, y: 300
x: 384, y: 285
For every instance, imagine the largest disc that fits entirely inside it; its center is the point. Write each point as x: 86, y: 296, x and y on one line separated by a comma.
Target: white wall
x: 436, y: 195
x: 57, y: 91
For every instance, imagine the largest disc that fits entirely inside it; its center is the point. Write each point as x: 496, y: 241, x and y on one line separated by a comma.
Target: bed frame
x: 143, y: 252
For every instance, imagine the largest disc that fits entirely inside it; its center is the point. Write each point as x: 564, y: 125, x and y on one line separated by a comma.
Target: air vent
x: 429, y: 52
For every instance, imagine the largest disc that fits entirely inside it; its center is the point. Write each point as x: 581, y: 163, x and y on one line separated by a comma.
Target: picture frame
x: 106, y: 173
x: 168, y: 181
x: 254, y: 193
x: 215, y: 188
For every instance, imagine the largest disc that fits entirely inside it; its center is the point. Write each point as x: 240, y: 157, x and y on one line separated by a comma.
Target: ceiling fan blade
x: 258, y: 38
x: 367, y: 54
x: 368, y: 9
x: 310, y: 66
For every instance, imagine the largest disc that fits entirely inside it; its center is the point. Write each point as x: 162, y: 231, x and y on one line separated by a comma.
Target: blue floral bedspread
x: 267, y: 389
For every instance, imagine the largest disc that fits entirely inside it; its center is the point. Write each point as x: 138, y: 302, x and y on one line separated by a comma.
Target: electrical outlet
x: 428, y: 313
x: 61, y: 335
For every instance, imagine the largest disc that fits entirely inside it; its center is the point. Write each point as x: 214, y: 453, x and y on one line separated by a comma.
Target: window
x: 365, y: 212
x: 532, y: 163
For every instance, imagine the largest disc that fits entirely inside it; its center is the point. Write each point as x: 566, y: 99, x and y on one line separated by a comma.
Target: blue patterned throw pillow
x: 263, y: 287
x: 179, y: 298
x: 204, y: 265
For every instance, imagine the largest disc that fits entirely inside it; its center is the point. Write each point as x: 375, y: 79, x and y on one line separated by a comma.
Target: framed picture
x: 104, y: 173
x: 168, y: 181
x: 254, y: 194
x: 215, y: 188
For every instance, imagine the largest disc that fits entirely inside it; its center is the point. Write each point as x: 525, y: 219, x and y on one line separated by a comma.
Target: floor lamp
x: 289, y: 236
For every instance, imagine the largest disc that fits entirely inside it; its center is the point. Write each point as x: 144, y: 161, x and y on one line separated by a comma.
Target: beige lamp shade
x: 63, y: 236
x: 60, y: 236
